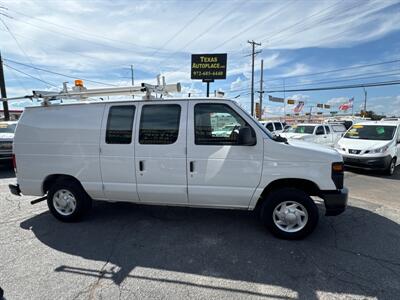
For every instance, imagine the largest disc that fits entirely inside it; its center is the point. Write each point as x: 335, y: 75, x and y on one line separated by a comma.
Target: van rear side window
x: 119, y: 124
x: 159, y: 124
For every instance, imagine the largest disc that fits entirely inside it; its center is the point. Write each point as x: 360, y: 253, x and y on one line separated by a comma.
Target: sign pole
x: 208, y: 89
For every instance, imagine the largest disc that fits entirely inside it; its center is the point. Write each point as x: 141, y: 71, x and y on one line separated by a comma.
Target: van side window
x: 270, y: 127
x: 217, y: 124
x: 119, y: 124
x: 320, y: 130
x: 159, y: 124
x: 327, y: 129
x: 278, y: 126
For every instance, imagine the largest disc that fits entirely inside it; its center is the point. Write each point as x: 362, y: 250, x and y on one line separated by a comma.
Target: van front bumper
x: 335, y: 201
x: 368, y: 163
x: 14, y: 189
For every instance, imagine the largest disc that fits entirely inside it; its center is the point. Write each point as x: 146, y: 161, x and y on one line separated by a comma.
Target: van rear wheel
x: 289, y: 213
x: 67, y: 201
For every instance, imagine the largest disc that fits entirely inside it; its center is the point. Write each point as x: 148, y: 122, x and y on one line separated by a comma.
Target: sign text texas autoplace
x: 209, y: 67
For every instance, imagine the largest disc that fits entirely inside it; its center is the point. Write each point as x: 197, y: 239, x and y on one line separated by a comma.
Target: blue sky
x: 99, y: 40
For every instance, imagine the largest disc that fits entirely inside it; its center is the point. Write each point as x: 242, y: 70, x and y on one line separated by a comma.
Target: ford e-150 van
x: 164, y: 152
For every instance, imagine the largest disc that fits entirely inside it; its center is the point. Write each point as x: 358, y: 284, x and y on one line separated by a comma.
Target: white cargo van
x: 164, y: 152
x: 372, y: 145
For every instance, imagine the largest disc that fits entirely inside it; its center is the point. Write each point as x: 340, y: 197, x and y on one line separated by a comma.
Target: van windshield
x: 7, y: 128
x: 371, y: 132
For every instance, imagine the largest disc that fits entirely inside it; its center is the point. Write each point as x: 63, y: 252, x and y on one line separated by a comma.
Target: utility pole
x: 365, y: 102
x: 253, y: 54
x: 261, y: 88
x: 3, y: 91
x: 133, y: 80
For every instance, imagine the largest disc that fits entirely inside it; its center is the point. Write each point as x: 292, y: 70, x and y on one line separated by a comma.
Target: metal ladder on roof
x: 80, y: 92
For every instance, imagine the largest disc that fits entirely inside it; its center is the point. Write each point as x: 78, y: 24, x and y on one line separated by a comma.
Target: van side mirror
x: 246, y: 137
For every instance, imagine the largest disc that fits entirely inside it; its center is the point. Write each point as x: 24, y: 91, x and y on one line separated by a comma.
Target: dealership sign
x: 209, y: 67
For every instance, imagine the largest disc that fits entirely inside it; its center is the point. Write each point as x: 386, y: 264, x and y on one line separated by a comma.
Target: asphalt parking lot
x: 128, y: 251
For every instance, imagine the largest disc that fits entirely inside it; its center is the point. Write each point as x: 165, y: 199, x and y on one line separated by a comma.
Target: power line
x: 21, y: 84
x: 299, y: 22
x: 274, y: 13
x: 348, y: 78
x: 337, y: 70
x: 19, y: 45
x: 204, y: 31
x: 80, y: 31
x: 56, y: 73
x: 352, y: 86
x: 38, y: 79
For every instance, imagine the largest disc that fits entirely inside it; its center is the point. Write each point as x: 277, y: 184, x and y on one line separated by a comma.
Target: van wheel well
x: 309, y: 187
x: 52, y: 179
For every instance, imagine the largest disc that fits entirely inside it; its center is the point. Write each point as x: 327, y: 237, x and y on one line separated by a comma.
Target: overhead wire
x: 57, y: 73
x: 19, y: 45
x: 29, y: 75
x: 274, y: 13
x: 81, y: 31
x: 200, y: 35
x: 336, y: 70
x: 351, y: 86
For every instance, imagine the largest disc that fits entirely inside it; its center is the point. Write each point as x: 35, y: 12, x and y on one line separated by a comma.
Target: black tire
x: 83, y: 201
x: 275, y: 198
x: 391, y: 168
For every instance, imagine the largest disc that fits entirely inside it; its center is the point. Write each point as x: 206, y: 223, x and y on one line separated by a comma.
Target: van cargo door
x: 160, y: 152
x: 117, y: 152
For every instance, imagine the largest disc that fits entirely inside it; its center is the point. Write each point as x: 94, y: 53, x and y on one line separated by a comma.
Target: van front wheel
x: 392, y: 167
x: 67, y: 201
x: 289, y: 213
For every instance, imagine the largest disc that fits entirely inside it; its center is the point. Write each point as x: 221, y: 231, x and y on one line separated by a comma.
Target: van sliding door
x: 160, y: 152
x: 117, y: 152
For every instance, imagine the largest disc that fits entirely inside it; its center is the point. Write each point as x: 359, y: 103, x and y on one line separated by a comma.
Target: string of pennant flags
x: 300, y: 104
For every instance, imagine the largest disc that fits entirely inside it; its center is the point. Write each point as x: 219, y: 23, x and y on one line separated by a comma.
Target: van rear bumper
x: 14, y: 189
x: 335, y: 201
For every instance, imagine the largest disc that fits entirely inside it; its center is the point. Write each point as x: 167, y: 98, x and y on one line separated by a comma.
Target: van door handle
x: 141, y: 165
x: 191, y: 166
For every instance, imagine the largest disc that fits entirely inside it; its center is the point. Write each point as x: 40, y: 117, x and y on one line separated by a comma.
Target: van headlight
x: 380, y: 150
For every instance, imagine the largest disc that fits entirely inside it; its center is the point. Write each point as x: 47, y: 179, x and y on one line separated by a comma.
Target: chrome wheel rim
x: 64, y: 202
x: 290, y: 216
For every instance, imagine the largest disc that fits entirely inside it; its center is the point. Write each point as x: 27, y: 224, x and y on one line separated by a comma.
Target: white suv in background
x: 324, y: 134
x: 274, y: 126
x: 372, y: 146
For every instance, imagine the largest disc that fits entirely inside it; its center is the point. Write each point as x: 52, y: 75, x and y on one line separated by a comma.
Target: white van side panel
x: 283, y: 161
x: 59, y: 140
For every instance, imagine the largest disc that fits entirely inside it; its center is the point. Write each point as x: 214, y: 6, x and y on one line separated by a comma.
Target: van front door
x: 221, y: 171
x: 117, y: 153
x: 160, y: 152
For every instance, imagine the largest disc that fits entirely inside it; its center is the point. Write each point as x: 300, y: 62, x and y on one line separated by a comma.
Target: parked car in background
x: 324, y: 134
x: 226, y: 131
x: 372, y: 145
x: 274, y: 126
x: 7, y: 130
